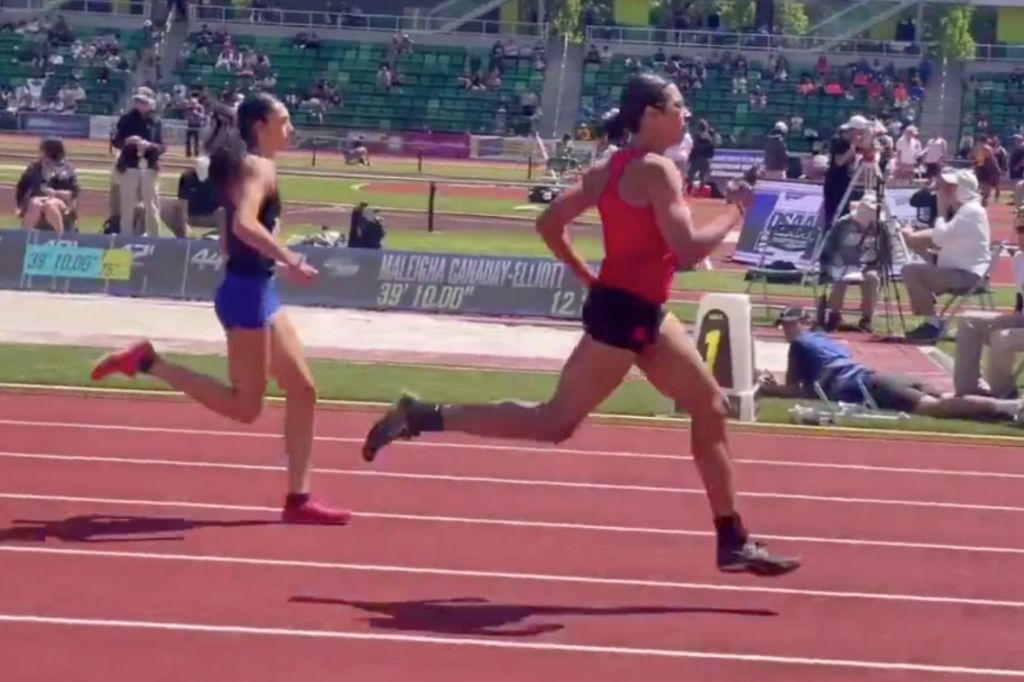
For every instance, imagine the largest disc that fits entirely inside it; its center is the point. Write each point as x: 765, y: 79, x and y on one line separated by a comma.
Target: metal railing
x: 379, y: 23
x: 749, y: 41
x: 999, y: 53
x: 135, y: 8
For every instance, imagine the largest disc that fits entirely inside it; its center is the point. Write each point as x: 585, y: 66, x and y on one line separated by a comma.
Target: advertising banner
x: 794, y: 210
x: 436, y: 145
x: 349, y: 278
x: 56, y: 125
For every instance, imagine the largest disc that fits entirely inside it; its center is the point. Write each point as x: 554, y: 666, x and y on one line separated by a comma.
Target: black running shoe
x: 753, y: 557
x: 391, y: 427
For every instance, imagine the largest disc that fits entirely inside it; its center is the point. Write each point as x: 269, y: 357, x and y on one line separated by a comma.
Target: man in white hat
x: 138, y: 136
x: 963, y: 243
x: 852, y: 252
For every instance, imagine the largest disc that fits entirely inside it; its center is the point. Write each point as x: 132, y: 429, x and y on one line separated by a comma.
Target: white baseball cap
x: 965, y: 180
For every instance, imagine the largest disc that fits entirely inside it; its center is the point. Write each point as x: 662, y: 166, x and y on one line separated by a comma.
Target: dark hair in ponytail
x: 613, y: 127
x: 642, y: 91
x: 232, y: 140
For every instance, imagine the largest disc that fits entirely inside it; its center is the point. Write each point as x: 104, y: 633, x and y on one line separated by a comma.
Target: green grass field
x: 332, y: 191
x: 96, y: 152
x: 337, y: 380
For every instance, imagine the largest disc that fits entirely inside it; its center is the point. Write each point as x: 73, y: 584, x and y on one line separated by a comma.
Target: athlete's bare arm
x: 257, y: 182
x: 553, y: 223
x: 664, y: 186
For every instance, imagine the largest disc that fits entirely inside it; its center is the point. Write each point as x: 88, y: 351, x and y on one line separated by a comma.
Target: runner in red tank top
x: 648, y: 234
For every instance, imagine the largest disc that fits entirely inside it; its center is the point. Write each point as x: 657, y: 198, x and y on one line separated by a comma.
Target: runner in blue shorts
x: 261, y: 339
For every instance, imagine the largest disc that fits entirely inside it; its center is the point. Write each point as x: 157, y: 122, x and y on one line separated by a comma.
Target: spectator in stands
x: 934, y: 155
x: 1004, y: 336
x: 964, y: 250
x: 198, y: 203
x: 384, y: 78
x: 776, y: 156
x: 908, y: 154
x: 47, y: 192
x: 853, y: 258
x: 818, y: 361
x: 70, y: 94
x: 593, y: 56
x: 138, y: 134
x: 195, y: 116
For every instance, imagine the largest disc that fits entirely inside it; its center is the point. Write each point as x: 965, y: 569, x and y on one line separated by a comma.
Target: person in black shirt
x: 842, y: 159
x: 47, y: 191
x: 699, y: 169
x: 138, y: 135
x: 199, y: 203
x: 1016, y: 164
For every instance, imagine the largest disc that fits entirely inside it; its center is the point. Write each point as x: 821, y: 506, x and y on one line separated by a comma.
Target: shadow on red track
x: 95, y: 528
x: 479, y: 617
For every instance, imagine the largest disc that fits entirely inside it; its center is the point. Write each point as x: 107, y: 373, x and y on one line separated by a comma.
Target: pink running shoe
x: 302, y: 509
x: 133, y: 359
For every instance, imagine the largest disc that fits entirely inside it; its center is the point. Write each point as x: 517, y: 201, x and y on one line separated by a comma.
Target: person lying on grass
x: 816, y: 358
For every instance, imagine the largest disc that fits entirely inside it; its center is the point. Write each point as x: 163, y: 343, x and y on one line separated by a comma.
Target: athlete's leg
x: 289, y: 368
x: 675, y: 368
x: 241, y: 399
x: 591, y: 373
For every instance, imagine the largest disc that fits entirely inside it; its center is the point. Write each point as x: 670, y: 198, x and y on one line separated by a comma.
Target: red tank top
x: 637, y: 257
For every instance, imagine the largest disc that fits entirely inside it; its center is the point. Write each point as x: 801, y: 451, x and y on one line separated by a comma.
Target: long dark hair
x: 235, y: 139
x: 642, y: 91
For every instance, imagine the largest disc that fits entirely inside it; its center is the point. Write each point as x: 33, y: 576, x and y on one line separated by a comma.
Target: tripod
x: 885, y: 234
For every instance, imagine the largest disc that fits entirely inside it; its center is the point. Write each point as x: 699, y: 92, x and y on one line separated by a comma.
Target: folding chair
x: 982, y: 291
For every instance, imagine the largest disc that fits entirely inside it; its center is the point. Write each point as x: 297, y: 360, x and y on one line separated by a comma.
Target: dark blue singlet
x: 247, y: 297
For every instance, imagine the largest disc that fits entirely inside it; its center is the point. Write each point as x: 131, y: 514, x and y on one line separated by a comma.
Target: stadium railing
x: 357, y: 22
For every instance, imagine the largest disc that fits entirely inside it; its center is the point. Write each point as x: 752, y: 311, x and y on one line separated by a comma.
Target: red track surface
x: 139, y: 541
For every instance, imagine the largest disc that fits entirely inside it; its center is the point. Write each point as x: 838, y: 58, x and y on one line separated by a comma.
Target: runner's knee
x: 249, y: 408
x: 555, y: 426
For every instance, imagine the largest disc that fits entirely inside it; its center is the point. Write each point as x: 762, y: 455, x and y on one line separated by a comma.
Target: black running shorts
x: 621, y: 319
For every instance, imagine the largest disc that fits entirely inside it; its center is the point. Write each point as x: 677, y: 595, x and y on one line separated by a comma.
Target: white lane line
x: 502, y: 575
x: 484, y: 447
x: 523, y: 482
x: 169, y: 626
x: 517, y: 523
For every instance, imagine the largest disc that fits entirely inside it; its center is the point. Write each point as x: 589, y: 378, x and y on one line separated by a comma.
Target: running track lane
x: 143, y: 589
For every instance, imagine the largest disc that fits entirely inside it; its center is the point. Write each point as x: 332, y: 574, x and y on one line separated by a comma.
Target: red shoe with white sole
x: 130, y: 361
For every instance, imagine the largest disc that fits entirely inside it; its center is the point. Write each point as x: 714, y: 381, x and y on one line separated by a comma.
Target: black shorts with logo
x: 618, y: 318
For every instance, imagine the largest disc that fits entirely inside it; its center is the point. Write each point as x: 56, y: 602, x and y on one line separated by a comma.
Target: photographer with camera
x: 854, y: 137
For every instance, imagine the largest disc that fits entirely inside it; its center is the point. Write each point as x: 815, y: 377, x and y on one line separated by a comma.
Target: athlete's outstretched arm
x: 664, y: 186
x: 553, y: 223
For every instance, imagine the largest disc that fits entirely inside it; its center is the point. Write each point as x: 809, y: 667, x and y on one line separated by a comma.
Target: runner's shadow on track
x: 476, y: 616
x: 97, y: 528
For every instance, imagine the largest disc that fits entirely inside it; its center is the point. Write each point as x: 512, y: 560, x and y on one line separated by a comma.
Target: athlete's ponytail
x: 614, y: 127
x: 233, y: 139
